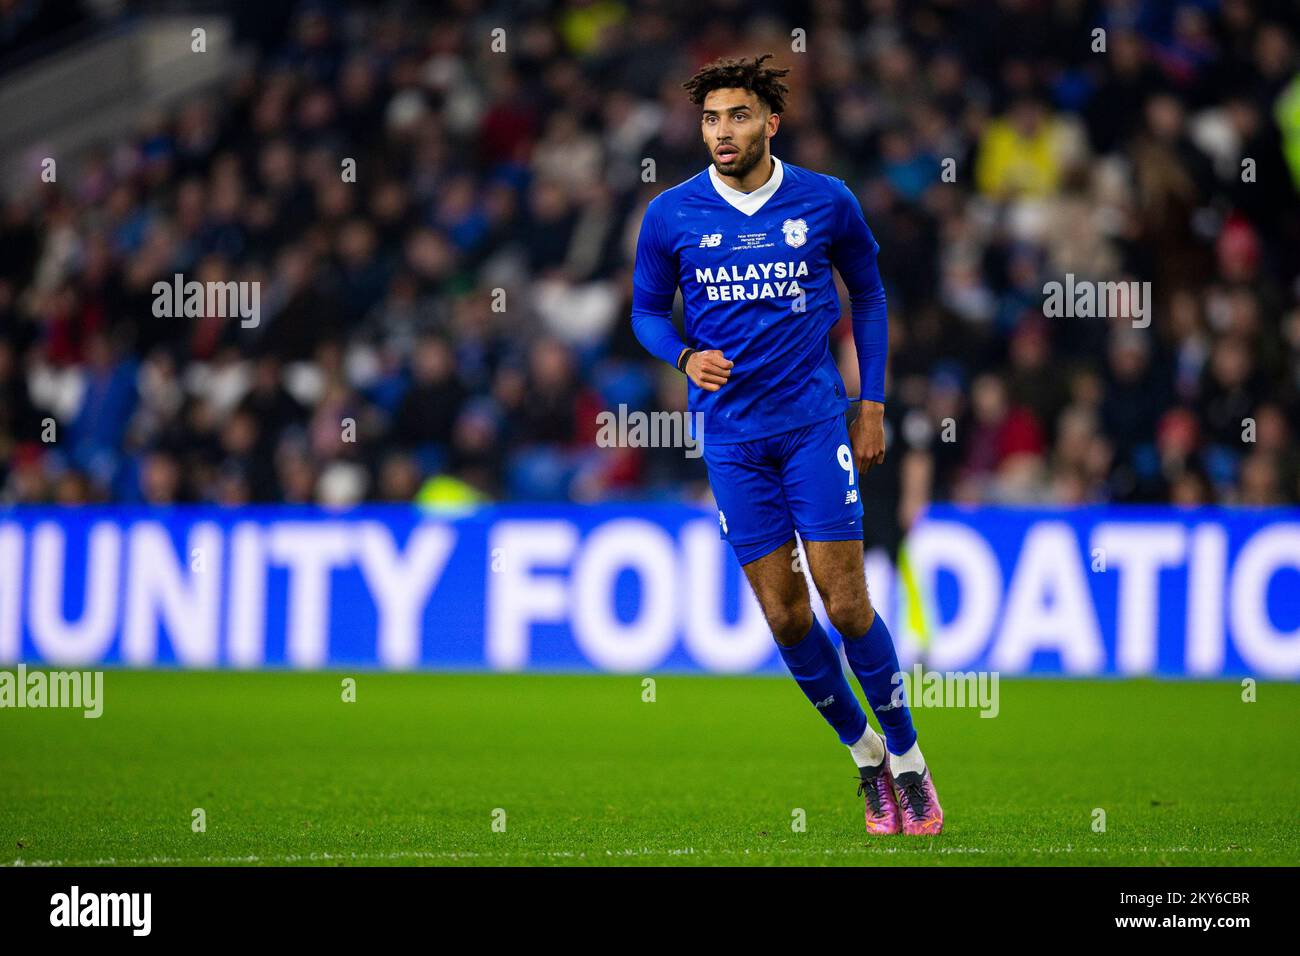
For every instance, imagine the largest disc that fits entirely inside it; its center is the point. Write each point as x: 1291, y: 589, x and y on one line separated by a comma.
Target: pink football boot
x: 919, y: 804
x: 877, y: 785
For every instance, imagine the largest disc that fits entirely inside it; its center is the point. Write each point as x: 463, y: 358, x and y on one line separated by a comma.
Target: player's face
x: 736, y: 127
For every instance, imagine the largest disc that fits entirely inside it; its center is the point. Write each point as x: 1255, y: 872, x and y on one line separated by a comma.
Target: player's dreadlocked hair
x: 763, y: 81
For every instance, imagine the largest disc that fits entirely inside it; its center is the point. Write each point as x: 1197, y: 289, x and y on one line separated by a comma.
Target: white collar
x: 748, y: 203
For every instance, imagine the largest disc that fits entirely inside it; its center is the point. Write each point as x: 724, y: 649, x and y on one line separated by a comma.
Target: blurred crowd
x: 447, y: 327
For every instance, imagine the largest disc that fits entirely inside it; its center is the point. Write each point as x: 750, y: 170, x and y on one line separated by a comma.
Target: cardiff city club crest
x: 796, y: 232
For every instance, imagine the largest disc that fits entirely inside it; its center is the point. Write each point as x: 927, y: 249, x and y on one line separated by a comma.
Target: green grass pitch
x: 585, y: 772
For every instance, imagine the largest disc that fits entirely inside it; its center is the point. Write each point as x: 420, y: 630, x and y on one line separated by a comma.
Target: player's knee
x: 790, y: 625
x: 851, y: 616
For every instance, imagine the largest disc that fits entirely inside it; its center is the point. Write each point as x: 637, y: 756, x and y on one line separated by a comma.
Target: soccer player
x: 751, y: 242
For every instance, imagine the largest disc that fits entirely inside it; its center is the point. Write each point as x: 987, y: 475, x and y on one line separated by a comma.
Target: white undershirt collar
x: 748, y: 203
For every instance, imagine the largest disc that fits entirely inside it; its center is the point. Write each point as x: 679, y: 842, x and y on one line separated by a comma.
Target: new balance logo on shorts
x: 852, y: 497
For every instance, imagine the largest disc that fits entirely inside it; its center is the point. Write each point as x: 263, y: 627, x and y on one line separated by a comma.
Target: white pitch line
x: 325, y: 857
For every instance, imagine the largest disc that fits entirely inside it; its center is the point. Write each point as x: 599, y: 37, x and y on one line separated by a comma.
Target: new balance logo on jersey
x: 722, y: 521
x: 852, y: 497
x: 711, y: 240
x: 825, y: 703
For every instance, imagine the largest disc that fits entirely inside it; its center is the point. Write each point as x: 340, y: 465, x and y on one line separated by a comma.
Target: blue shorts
x: 768, y: 488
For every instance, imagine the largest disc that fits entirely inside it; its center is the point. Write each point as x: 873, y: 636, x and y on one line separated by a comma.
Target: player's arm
x: 853, y: 253
x: 654, y: 284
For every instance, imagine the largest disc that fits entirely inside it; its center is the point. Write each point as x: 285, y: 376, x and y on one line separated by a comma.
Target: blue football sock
x: 874, y: 662
x: 815, y: 664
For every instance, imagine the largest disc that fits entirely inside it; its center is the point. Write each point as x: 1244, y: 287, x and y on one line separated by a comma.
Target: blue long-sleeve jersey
x: 755, y: 274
